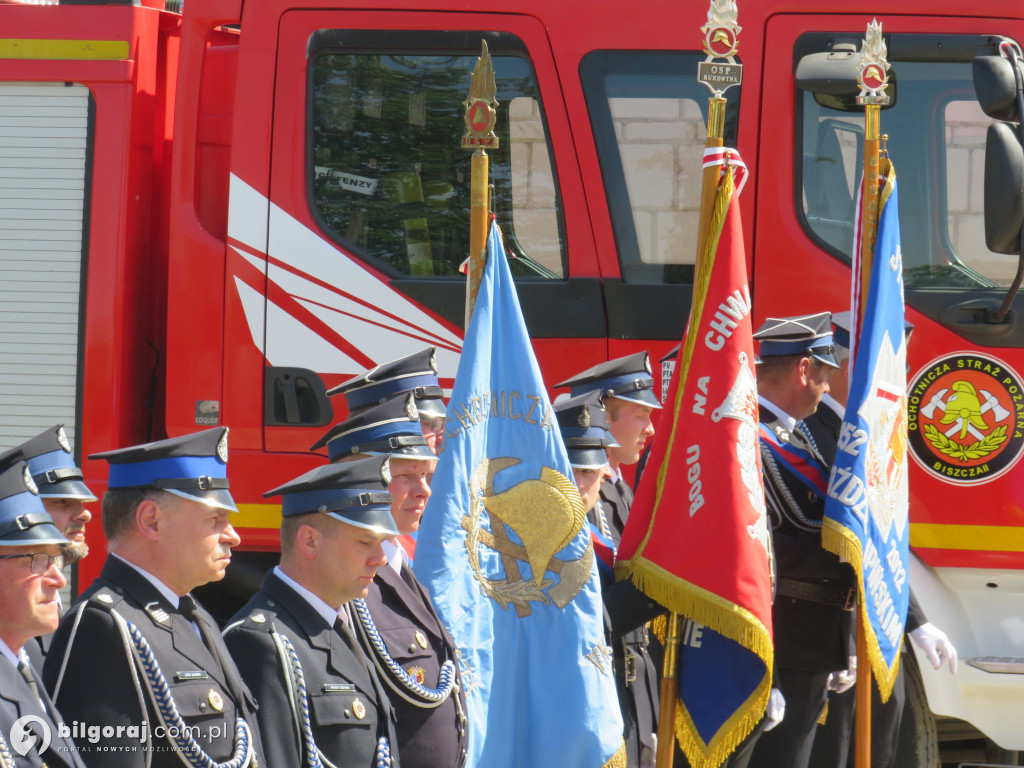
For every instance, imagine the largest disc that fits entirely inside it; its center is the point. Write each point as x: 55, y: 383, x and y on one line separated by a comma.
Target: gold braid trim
x: 618, y: 760
x: 843, y: 542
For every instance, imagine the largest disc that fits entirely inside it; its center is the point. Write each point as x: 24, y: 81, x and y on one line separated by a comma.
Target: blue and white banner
x: 866, y: 513
x: 505, y: 552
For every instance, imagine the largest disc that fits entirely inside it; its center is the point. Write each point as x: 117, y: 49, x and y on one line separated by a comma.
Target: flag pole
x: 872, y: 78
x: 720, y: 42
x: 480, y: 117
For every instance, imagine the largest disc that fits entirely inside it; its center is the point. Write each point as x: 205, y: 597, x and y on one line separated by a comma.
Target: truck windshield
x: 936, y: 142
x: 649, y: 115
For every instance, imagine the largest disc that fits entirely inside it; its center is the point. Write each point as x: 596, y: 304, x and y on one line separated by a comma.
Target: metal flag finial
x: 721, y: 41
x: 481, y: 113
x: 873, y: 67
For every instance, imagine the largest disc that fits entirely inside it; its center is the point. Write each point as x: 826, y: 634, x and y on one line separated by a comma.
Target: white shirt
x: 162, y: 588
x: 394, y: 553
x: 328, y: 613
x: 13, y: 657
x: 787, y: 421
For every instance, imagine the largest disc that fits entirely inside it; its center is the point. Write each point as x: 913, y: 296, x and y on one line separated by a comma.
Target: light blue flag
x: 505, y: 552
x: 866, y: 517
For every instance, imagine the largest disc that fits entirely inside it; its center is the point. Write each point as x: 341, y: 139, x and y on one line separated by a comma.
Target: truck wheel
x: 918, y: 744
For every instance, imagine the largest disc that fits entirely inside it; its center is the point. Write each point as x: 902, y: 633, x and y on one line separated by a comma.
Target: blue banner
x: 866, y: 513
x: 505, y: 551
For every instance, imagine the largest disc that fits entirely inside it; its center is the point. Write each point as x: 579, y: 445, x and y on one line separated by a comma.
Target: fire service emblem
x: 966, y: 418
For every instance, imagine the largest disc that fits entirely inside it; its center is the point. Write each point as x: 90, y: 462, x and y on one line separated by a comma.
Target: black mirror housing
x: 995, y: 87
x: 1004, y: 189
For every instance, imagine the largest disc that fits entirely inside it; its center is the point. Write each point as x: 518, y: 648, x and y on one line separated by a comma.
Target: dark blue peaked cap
x: 192, y: 466
x: 354, y: 492
x: 627, y: 378
x: 416, y: 373
x: 583, y: 422
x: 23, y: 518
x: 807, y: 335
x: 52, y: 465
x: 391, y: 427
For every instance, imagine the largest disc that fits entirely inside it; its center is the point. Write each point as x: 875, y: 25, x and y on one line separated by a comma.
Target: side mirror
x: 832, y: 77
x: 1004, y: 188
x: 995, y: 87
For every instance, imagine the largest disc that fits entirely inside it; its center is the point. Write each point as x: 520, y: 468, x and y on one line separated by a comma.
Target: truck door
x: 369, y: 200
x: 965, y: 414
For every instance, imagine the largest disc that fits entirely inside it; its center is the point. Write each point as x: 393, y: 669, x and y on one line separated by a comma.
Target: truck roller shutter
x: 43, y: 170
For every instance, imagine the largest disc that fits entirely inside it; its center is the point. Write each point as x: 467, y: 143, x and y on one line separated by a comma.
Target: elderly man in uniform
x: 815, y: 592
x: 64, y: 494
x: 136, y: 655
x: 31, y: 556
x: 832, y: 742
x: 409, y: 645
x: 416, y: 373
x: 625, y: 387
x: 293, y: 641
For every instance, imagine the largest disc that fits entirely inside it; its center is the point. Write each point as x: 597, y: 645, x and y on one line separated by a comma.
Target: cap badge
x: 584, y: 418
x: 62, y: 439
x: 358, y: 709
x: 647, y: 363
x: 433, y: 361
x: 103, y: 597
x: 29, y: 482
x: 216, y: 700
x: 259, y: 618
x: 385, y: 471
x: 410, y: 408
x: 421, y: 639
x: 222, y: 447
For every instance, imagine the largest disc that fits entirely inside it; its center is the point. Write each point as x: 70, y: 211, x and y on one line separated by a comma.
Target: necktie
x: 625, y: 492
x: 26, y: 672
x: 189, y: 608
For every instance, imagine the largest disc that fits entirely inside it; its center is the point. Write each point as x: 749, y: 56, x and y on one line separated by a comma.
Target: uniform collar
x: 394, y: 553
x: 10, y: 655
x: 328, y: 614
x: 787, y: 421
x: 166, y: 592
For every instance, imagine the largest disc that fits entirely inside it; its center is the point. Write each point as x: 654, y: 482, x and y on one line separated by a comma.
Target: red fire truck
x: 207, y: 217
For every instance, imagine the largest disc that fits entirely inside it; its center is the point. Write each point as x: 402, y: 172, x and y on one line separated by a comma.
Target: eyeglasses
x: 40, y: 562
x: 434, y: 426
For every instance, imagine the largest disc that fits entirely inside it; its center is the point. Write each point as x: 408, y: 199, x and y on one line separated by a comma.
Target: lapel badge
x: 421, y: 640
x: 419, y: 674
x: 216, y: 700
x: 258, y: 618
x: 157, y: 613
x: 358, y: 709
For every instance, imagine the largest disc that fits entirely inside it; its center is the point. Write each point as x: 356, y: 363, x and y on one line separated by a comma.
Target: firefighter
x: 815, y: 592
x: 626, y: 388
x: 64, y: 494
x: 136, y: 650
x: 293, y: 641
x: 402, y: 632
x: 31, y: 557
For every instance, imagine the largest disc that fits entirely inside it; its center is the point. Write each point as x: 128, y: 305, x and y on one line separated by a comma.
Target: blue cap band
x: 594, y: 433
x: 372, y: 393
x: 306, y: 502
x: 52, y: 460
x: 615, y: 382
x: 146, y: 473
x: 19, y: 504
x: 375, y: 433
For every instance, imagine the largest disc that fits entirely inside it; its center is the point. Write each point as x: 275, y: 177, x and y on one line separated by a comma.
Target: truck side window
x: 939, y: 163
x: 389, y: 179
x: 649, y: 118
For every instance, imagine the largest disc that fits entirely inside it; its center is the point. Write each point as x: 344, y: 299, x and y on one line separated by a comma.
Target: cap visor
x: 826, y: 357
x: 67, y: 489
x: 44, y: 533
x: 642, y: 396
x: 588, y: 458
x: 376, y: 520
x: 221, y: 499
x: 431, y: 407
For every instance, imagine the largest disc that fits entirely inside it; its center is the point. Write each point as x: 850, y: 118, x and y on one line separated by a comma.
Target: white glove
x: 776, y: 709
x: 843, y: 680
x: 936, y: 645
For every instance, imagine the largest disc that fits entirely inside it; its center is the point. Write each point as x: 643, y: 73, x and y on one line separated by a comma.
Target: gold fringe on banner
x: 618, y: 760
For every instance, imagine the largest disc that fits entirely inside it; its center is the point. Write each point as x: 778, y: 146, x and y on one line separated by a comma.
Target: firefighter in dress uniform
x: 136, y: 656
x: 833, y: 740
x: 64, y: 494
x: 625, y: 387
x: 31, y: 557
x: 319, y: 694
x: 815, y: 592
x: 403, y: 634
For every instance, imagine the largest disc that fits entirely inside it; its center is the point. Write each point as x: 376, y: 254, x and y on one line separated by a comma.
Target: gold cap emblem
x: 358, y: 709
x: 216, y: 700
